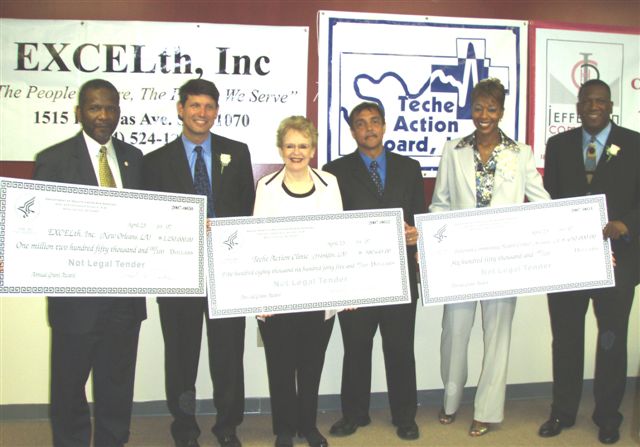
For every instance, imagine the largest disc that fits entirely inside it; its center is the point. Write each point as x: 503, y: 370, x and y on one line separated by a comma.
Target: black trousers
x: 181, y: 321
x: 294, y: 346
x: 567, y: 310
x: 397, y: 329
x: 109, y: 351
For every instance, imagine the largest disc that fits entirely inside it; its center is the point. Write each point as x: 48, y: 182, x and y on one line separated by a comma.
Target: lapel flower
x: 612, y: 151
x: 507, y: 161
x: 225, y: 159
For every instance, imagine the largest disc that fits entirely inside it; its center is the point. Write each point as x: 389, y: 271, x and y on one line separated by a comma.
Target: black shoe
x: 552, y: 427
x: 230, y: 440
x: 314, y: 438
x: 345, y: 427
x: 408, y: 432
x: 284, y: 441
x: 608, y: 435
x: 192, y: 442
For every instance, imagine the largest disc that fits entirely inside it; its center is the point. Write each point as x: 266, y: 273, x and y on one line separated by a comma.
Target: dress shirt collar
x: 601, y: 137
x: 189, y: 146
x: 93, y: 147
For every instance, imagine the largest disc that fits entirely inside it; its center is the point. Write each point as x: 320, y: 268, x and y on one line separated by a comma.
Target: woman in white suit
x: 484, y: 169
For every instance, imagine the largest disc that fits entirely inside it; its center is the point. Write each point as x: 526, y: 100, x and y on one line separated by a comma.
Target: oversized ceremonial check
x: 272, y: 265
x: 61, y: 239
x: 526, y: 249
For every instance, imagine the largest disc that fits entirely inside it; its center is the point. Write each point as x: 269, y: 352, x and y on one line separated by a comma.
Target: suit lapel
x: 467, y: 166
x: 576, y: 156
x: 123, y: 164
x: 603, y: 164
x: 361, y: 174
x: 81, y: 163
x: 216, y: 167
x: 179, y: 166
x: 393, y: 174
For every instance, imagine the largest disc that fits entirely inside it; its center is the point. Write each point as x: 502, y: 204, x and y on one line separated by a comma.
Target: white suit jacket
x: 516, y: 176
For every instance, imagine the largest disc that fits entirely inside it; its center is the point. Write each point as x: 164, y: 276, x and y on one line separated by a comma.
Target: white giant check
x: 61, y: 239
x: 266, y: 265
x: 526, y: 249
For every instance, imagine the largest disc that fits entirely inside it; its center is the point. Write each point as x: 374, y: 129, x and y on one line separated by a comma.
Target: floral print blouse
x: 501, y: 160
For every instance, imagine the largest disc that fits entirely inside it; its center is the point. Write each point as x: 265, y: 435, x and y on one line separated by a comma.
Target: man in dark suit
x: 371, y: 178
x: 597, y: 158
x: 98, y: 334
x: 204, y: 163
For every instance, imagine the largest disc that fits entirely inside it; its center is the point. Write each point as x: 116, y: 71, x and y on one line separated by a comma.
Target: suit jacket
x: 617, y: 178
x: 516, y: 177
x: 69, y: 162
x: 404, y: 188
x: 167, y: 169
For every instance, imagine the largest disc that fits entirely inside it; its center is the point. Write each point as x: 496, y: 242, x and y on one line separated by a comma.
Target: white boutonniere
x: 225, y: 159
x: 612, y: 151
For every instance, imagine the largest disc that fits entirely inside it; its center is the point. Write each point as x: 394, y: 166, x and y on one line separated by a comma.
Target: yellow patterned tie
x: 106, y: 177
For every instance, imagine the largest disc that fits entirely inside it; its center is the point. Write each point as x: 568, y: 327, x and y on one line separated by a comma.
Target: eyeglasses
x: 301, y: 147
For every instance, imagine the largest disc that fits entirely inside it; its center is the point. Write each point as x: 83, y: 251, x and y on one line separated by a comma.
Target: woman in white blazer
x: 295, y: 343
x: 484, y: 169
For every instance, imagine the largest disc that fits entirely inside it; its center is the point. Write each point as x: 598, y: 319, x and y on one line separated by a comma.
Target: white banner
x: 421, y: 70
x: 565, y: 59
x: 261, y: 72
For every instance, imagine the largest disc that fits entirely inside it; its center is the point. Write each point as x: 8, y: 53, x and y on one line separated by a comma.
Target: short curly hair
x: 489, y: 87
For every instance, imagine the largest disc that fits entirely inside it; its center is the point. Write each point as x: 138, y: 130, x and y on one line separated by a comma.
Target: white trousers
x: 457, y: 322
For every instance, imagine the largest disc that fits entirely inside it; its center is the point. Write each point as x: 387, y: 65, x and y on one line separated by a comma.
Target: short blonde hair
x: 300, y: 124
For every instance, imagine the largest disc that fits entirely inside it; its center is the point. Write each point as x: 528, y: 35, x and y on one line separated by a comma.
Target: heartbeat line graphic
x: 470, y: 78
x: 458, y: 77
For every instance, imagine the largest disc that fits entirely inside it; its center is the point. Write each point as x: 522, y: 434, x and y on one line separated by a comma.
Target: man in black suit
x: 615, y: 172
x: 98, y: 334
x: 201, y: 162
x: 371, y: 178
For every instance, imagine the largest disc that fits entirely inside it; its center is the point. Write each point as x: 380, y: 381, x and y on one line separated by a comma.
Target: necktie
x: 201, y: 180
x: 375, y: 176
x: 104, y: 171
x: 590, y: 161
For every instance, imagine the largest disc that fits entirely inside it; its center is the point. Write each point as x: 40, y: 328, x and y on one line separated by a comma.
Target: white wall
x: 24, y: 352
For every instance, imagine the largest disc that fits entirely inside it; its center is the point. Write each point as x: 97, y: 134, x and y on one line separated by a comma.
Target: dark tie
x: 375, y: 176
x: 590, y: 161
x: 201, y: 180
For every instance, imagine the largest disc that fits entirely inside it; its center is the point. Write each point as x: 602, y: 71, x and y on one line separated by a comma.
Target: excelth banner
x: 568, y: 55
x: 421, y: 70
x: 260, y: 71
